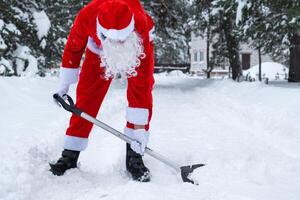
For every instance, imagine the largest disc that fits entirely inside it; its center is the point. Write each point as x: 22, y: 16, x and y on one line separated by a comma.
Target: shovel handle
x: 70, y: 106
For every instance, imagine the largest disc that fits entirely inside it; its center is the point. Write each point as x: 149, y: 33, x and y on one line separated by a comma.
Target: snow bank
x: 271, y: 70
x: 246, y: 133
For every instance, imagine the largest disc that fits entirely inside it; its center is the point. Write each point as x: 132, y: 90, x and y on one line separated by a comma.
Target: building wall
x: 198, y: 46
x: 198, y: 54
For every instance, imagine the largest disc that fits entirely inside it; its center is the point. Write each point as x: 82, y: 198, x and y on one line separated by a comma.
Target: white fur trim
x: 137, y: 116
x: 93, y: 47
x: 152, y: 34
x: 68, y: 76
x: 114, y: 33
x: 128, y: 132
x: 75, y: 143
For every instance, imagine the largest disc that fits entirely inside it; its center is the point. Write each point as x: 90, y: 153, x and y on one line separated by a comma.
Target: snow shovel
x: 185, y: 171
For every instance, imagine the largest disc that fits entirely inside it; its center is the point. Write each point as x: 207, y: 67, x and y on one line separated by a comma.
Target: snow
x: 293, y: 20
x: 12, y: 28
x: 246, y: 133
x: 43, y: 23
x: 3, y: 46
x: 43, y: 44
x: 24, y: 53
x: 239, y: 12
x: 270, y: 70
x: 1, y: 24
x: 20, y: 14
x: 6, y: 63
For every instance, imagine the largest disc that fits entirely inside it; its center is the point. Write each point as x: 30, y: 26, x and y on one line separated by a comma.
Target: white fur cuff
x: 68, y: 75
x: 75, y: 143
x: 131, y: 132
x: 137, y: 116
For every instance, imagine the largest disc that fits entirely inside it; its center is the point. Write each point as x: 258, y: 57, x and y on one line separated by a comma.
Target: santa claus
x: 116, y: 36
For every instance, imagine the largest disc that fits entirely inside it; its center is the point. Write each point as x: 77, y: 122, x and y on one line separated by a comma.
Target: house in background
x: 248, y: 58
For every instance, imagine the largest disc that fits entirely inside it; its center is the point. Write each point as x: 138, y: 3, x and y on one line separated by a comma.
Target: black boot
x: 135, y: 166
x: 67, y: 161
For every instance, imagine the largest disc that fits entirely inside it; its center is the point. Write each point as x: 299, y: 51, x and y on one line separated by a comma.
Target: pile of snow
x: 173, y: 73
x: 247, y: 134
x: 270, y: 70
x: 176, y: 73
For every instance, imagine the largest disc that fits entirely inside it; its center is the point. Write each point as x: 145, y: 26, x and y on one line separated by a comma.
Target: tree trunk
x: 294, y: 71
x: 259, y: 65
x: 232, y: 45
x: 208, y: 67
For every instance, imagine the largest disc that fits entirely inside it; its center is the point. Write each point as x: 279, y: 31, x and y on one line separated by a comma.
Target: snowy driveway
x: 248, y: 134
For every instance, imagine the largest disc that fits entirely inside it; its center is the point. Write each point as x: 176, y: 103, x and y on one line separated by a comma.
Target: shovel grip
x: 70, y: 106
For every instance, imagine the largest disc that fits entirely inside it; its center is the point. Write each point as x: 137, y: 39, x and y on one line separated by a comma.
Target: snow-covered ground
x: 248, y: 134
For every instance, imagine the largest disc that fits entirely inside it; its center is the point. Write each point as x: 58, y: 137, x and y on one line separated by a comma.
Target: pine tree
x: 226, y: 25
x: 61, y: 14
x: 274, y: 27
x: 202, y: 26
x: 18, y: 30
x: 216, y: 18
x: 173, y: 30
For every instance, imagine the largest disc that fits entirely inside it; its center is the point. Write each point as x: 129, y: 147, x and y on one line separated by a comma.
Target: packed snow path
x: 248, y: 134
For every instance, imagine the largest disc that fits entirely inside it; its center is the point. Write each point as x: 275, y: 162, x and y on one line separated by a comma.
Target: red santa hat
x: 115, y: 20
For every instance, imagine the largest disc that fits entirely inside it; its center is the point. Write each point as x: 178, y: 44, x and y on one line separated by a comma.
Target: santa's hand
x: 140, y: 137
x: 62, y: 92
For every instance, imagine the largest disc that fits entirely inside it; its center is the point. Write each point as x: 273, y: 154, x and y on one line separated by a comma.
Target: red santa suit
x: 92, y: 86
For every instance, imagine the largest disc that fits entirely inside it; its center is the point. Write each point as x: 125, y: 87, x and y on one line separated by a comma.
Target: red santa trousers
x: 90, y: 93
x: 92, y: 87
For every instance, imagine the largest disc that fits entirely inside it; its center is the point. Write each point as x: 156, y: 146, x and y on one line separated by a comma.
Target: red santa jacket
x: 84, y: 35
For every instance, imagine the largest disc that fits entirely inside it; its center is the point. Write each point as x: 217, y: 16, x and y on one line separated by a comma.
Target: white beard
x: 122, y: 58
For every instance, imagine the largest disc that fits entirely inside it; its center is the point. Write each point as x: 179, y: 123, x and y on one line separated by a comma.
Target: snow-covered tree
x: 33, y: 33
x: 172, y: 28
x: 18, y: 37
x: 205, y: 23
x: 202, y: 26
x: 274, y: 27
x: 226, y: 24
x: 61, y: 14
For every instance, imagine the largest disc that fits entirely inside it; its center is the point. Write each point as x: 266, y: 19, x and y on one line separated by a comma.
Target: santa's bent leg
x: 91, y: 90
x: 138, y: 116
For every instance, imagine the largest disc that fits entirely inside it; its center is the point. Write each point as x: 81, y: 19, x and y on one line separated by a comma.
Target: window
x: 201, y: 54
x: 195, y: 56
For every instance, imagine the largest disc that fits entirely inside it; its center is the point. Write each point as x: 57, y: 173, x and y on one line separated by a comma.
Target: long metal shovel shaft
x: 129, y: 140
